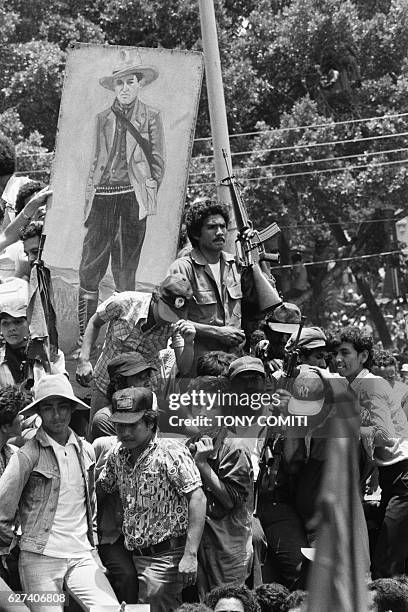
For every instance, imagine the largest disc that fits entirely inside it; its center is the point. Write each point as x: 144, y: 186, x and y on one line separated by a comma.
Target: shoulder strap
x: 142, y: 142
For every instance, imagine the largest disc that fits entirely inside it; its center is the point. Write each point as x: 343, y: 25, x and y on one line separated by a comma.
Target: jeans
x: 159, y: 581
x: 83, y: 578
x: 122, y: 574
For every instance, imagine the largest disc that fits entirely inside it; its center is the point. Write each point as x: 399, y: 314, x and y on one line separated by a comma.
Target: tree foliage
x: 286, y: 64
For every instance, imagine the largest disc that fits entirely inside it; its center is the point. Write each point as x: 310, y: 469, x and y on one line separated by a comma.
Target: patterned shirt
x: 153, y: 491
x: 126, y: 313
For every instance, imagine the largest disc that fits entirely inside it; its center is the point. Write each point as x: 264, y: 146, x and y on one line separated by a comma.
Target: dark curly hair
x: 355, y: 336
x: 238, y: 591
x: 272, y: 597
x: 214, y: 363
x: 12, y: 399
x: 7, y: 156
x: 383, y: 359
x: 26, y: 191
x: 390, y: 594
x: 35, y: 228
x: 198, y: 213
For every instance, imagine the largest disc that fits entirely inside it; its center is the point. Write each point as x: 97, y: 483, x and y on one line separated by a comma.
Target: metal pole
x: 216, y: 101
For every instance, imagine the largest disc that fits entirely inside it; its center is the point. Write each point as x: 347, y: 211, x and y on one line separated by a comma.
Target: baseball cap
x: 14, y: 297
x: 310, y: 338
x: 53, y: 385
x: 127, y: 364
x: 175, y: 293
x: 308, y: 394
x: 129, y: 405
x: 245, y: 364
x: 404, y: 367
x: 285, y: 318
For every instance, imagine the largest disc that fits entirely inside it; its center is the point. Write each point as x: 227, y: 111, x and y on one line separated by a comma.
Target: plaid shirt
x: 126, y: 312
x: 153, y: 491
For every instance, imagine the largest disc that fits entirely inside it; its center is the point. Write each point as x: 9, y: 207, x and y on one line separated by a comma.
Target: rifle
x: 272, y: 448
x: 250, y: 250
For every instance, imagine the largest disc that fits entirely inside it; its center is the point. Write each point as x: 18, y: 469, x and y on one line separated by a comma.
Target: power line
x: 280, y: 176
x: 310, y: 161
x: 341, y: 260
x: 306, y: 146
x: 306, y: 127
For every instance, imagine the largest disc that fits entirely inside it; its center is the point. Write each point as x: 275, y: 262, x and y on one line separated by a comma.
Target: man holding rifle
x: 215, y: 279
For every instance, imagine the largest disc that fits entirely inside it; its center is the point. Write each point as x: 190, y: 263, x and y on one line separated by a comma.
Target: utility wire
x: 280, y: 176
x: 340, y: 260
x: 306, y: 127
x: 306, y: 146
x: 310, y: 161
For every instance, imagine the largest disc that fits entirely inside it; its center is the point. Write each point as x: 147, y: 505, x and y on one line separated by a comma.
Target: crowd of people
x: 191, y: 481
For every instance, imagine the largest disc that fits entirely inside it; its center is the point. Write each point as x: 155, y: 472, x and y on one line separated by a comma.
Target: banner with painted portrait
x: 119, y: 178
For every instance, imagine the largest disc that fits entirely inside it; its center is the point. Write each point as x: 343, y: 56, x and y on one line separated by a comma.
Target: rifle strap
x: 142, y: 142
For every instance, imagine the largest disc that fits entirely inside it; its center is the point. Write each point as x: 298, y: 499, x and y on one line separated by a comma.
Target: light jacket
x: 145, y: 179
x: 30, y: 485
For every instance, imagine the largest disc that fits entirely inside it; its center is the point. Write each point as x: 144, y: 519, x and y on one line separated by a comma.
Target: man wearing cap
x: 278, y: 326
x: 126, y: 173
x: 14, y: 365
x: 247, y: 376
x: 50, y: 482
x: 125, y: 370
x: 311, y: 346
x: 164, y: 504
x: 214, y: 277
x: 140, y: 322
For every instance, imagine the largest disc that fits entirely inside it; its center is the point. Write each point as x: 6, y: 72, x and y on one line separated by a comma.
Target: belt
x: 108, y: 189
x: 161, y: 547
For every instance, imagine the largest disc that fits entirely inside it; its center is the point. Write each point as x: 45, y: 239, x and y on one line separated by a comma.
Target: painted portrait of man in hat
x: 126, y: 172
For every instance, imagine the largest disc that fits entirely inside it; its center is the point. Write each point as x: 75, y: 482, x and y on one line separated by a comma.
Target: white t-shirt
x: 69, y: 531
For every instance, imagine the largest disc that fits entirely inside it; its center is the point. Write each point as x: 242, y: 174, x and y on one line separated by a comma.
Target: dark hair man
x: 214, y: 363
x: 272, y: 597
x: 215, y: 279
x: 312, y: 346
x: 385, y: 432
x: 232, y: 598
x: 164, y: 504
x: 26, y: 192
x: 388, y: 595
x: 50, y: 481
x: 124, y: 178
x: 30, y: 237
